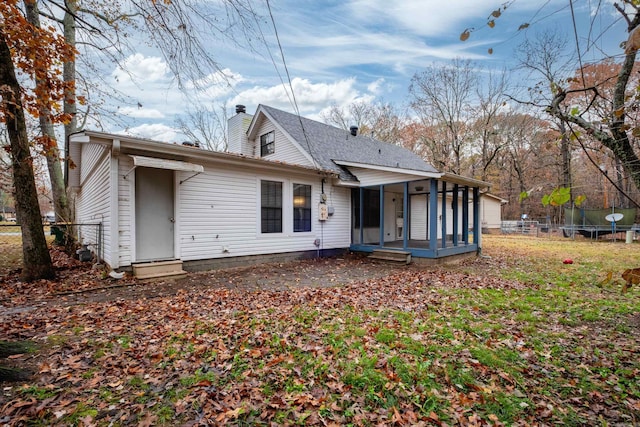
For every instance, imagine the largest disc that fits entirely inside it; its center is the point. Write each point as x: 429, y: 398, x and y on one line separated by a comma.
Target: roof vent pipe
x: 354, y: 130
x: 240, y: 109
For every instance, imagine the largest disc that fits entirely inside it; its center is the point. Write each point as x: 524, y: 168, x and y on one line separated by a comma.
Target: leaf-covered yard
x: 513, y: 338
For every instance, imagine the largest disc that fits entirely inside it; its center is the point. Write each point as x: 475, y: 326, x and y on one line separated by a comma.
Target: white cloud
x: 377, y: 86
x: 216, y: 85
x: 138, y: 68
x: 156, y: 132
x: 141, y: 113
x: 310, y: 97
x: 434, y: 18
x: 225, y: 77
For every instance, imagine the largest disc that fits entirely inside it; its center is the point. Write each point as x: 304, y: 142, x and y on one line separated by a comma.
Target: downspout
x: 114, y: 206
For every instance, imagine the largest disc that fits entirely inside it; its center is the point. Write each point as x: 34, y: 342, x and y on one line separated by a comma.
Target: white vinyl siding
x: 219, y: 216
x: 91, y: 154
x: 285, y: 150
x: 93, y: 200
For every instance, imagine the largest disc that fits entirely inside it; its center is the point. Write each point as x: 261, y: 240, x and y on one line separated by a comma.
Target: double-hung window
x: 271, y: 207
x: 267, y: 144
x: 301, y: 207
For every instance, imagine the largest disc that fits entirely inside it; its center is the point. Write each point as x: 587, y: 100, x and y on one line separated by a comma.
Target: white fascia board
x: 389, y: 169
x: 176, y: 165
x: 351, y: 184
x: 80, y: 138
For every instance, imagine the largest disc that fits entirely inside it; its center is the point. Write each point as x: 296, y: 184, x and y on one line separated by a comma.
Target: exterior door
x: 418, y: 226
x: 154, y: 214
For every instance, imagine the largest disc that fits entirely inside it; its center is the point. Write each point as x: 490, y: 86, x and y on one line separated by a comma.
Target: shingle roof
x: 327, y: 144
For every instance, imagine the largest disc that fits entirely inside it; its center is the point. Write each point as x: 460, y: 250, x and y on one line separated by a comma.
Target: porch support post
x: 476, y: 216
x: 405, y: 216
x: 361, y: 215
x: 443, y: 214
x: 465, y: 215
x: 381, y: 215
x: 433, y: 215
x: 454, y: 206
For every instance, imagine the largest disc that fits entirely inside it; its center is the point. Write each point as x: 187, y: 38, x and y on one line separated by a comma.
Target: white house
x: 288, y: 187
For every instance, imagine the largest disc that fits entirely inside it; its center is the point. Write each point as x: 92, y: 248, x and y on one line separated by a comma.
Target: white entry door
x: 154, y: 214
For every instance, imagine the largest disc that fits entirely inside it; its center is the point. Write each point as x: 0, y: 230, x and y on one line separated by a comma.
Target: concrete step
x: 157, y: 270
x: 390, y: 255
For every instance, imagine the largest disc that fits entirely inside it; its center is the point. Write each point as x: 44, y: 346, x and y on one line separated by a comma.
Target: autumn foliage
x: 513, y: 338
x: 38, y: 53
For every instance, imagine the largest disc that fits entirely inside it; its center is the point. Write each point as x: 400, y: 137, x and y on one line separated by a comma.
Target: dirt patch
x: 80, y: 284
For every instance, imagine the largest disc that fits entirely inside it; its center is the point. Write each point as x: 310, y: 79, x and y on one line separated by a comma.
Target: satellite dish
x: 614, y: 217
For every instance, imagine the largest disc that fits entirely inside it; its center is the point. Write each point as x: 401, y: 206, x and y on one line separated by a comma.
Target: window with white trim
x: 301, y: 207
x: 267, y: 143
x: 271, y: 206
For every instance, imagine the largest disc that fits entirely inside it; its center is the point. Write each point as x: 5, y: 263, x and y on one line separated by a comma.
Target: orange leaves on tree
x: 38, y: 53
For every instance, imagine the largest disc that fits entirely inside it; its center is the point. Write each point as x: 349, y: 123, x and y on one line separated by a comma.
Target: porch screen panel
x: 271, y: 206
x: 370, y: 214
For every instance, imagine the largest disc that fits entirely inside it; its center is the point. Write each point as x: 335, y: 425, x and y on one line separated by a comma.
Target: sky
x: 340, y: 52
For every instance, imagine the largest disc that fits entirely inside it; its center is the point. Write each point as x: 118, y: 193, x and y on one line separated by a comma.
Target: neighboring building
x: 289, y: 187
x: 491, y: 211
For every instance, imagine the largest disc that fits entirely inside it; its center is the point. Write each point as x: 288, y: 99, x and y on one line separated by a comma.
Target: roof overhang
x: 494, y: 197
x: 461, y: 180
x: 140, y: 147
x: 422, y: 174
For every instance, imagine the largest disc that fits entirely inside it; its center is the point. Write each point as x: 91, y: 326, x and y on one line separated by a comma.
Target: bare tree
x: 206, y: 126
x: 489, y: 111
x: 442, y: 96
x: 182, y: 31
x: 548, y: 61
x: 379, y: 120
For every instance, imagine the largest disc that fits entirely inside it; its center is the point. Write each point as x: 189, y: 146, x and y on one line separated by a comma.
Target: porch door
x: 154, y: 214
x: 418, y: 218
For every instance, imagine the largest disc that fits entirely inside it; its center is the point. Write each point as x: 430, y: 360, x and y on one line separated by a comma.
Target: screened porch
x: 430, y: 218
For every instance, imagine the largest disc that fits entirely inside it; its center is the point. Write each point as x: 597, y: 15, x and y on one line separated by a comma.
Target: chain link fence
x: 85, y: 239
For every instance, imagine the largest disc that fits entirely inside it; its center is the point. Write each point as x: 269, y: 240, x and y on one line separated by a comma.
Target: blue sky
x: 339, y: 52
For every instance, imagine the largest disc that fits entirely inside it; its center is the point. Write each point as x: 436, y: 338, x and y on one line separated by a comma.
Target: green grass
x: 546, y: 349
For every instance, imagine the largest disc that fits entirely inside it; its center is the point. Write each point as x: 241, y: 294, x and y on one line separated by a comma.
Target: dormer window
x: 267, y: 144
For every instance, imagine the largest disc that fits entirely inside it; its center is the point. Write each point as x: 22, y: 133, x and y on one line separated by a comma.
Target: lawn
x: 515, y: 337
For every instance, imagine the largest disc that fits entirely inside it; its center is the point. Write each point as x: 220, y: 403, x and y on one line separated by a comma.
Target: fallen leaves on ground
x: 412, y: 346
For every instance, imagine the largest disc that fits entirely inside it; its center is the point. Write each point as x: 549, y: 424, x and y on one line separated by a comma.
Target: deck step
x: 159, y: 270
x: 401, y: 257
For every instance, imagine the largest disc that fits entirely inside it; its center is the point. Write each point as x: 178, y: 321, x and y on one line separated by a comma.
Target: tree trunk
x: 69, y: 75
x: 13, y: 374
x: 565, y: 148
x: 36, y: 258
x: 51, y: 150
x: 7, y: 348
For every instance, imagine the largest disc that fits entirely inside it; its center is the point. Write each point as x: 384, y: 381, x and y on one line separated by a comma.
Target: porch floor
x: 418, y: 244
